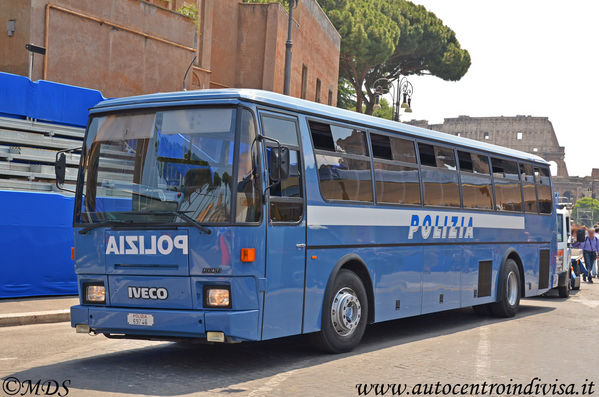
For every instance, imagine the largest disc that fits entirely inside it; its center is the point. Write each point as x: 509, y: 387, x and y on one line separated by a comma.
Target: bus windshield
x: 169, y: 166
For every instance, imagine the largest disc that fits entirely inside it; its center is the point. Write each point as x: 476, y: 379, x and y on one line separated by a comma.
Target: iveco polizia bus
x: 243, y: 215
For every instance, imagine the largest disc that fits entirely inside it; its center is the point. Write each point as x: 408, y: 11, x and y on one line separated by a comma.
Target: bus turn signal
x: 248, y: 254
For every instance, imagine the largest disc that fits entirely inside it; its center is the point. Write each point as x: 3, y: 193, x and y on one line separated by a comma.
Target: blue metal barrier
x: 46, y: 100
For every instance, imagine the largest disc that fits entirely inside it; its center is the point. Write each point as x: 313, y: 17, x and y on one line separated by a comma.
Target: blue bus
x: 244, y: 215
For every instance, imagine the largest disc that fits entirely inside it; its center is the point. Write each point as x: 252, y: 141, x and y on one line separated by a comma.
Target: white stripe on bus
x: 321, y: 215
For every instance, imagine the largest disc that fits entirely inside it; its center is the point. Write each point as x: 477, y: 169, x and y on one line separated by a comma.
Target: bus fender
x: 356, y: 264
x: 512, y: 253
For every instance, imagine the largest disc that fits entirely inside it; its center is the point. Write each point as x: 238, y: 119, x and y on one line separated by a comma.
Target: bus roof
x: 307, y: 107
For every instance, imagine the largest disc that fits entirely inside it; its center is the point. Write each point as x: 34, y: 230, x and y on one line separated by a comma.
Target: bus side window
x: 544, y: 190
x: 528, y: 188
x: 286, y: 196
x: 395, y: 170
x: 343, y: 162
x: 439, y: 176
x: 508, y: 196
x: 477, y: 191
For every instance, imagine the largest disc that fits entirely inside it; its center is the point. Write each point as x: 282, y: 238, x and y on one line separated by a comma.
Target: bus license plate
x: 140, y: 319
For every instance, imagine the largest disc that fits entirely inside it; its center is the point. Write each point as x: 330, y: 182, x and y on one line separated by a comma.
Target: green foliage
x: 368, y: 37
x: 386, y: 110
x: 386, y: 38
x: 346, y: 95
x: 586, y: 211
x: 190, y: 11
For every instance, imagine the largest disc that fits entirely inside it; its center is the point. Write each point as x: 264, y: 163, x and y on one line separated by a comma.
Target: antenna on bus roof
x: 187, y: 71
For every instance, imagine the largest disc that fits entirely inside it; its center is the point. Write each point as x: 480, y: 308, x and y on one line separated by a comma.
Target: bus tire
x: 508, y: 291
x: 482, y: 310
x: 344, y: 314
x: 564, y: 291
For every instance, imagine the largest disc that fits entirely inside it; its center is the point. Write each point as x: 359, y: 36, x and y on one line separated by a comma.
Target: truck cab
x: 563, y: 260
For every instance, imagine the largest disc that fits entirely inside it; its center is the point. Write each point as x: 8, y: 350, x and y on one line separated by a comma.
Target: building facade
x: 130, y: 47
x: 530, y: 134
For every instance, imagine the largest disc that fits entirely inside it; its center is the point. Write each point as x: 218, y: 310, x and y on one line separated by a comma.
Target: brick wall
x: 129, y: 47
x: 248, y: 47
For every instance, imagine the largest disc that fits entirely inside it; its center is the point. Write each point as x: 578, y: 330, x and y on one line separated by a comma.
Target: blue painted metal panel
x: 148, y: 252
x: 46, y: 100
x: 89, y: 252
x: 166, y: 322
x: 397, y: 277
x: 37, y: 236
x: 222, y: 250
x: 472, y: 255
x: 285, y: 280
x: 79, y: 315
x: 179, y: 291
x: 441, y: 270
x: 240, y: 325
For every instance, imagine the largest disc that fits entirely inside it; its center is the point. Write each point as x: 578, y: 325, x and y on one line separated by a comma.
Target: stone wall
x: 525, y: 133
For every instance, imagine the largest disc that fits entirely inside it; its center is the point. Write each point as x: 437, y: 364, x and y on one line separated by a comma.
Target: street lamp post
x: 288, y: 46
x: 403, y: 90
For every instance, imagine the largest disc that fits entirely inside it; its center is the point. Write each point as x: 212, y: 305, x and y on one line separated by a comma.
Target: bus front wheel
x: 508, y: 291
x: 344, y: 314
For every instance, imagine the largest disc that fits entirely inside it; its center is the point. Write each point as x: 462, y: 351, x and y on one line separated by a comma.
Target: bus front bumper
x: 167, y: 324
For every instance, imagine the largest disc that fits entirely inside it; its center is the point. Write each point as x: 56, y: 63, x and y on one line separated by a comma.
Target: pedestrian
x: 590, y: 247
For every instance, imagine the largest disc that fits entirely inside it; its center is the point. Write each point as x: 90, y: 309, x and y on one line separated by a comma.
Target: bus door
x: 286, y: 234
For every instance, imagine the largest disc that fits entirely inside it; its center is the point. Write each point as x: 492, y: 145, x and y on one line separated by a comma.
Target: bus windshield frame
x: 173, y: 165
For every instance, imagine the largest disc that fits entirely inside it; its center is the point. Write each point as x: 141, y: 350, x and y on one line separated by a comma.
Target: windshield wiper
x: 104, y: 223
x: 181, y: 214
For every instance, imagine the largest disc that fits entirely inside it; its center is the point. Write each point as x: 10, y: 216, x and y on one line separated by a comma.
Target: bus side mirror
x: 279, y: 163
x: 60, y: 169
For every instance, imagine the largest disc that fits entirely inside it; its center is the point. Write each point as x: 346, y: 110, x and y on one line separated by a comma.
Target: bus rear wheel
x: 344, y: 314
x: 564, y: 290
x: 508, y: 291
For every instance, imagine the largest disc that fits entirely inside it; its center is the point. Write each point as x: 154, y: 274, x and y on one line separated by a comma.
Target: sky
x: 529, y: 57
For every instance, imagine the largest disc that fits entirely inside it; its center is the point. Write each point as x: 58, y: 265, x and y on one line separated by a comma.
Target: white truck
x: 564, y: 255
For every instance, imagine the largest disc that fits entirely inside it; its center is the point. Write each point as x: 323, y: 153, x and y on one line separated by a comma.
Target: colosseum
x: 528, y: 134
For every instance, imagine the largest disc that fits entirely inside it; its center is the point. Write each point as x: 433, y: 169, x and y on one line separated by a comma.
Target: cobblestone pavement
x: 551, y: 339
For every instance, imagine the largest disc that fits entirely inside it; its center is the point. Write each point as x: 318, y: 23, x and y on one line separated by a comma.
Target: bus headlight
x: 94, y: 293
x: 217, y: 296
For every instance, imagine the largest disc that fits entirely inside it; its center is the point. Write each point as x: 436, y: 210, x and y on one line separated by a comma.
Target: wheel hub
x: 346, y: 312
x: 512, y: 288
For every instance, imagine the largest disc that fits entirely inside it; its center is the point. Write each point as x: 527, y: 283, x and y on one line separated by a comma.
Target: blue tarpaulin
x: 46, y: 100
x: 37, y: 235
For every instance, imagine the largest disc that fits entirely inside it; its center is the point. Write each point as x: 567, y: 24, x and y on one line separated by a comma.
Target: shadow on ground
x: 173, y: 369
